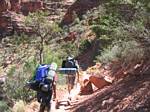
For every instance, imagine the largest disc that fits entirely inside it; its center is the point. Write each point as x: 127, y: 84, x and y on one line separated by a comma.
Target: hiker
x: 44, y: 82
x: 70, y: 63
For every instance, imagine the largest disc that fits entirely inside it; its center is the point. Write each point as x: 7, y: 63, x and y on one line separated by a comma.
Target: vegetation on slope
x: 121, y: 27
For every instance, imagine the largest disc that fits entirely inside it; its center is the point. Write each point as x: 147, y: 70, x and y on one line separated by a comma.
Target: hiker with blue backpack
x: 44, y: 83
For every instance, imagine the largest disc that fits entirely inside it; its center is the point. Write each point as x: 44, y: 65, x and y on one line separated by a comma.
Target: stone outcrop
x: 79, y: 7
x: 11, y: 22
x: 5, y: 24
x: 31, y: 6
x: 98, y: 82
x: 4, y: 5
x: 86, y: 88
x: 15, y: 5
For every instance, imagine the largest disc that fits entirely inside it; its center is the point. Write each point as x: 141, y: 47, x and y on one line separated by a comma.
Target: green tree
x: 43, y: 28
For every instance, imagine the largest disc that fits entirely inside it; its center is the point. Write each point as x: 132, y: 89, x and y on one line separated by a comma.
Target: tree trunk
x: 41, y: 50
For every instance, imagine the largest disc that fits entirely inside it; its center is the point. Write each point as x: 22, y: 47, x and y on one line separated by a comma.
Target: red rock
x: 15, y: 5
x: 98, y: 82
x: 31, y: 6
x: 4, y: 5
x: 71, y: 36
x: 86, y: 88
x: 79, y: 7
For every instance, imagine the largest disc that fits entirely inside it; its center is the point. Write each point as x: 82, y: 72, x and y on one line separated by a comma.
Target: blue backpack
x: 41, y: 72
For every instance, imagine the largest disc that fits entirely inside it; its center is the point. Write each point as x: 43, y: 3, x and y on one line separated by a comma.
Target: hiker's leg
x: 48, y: 103
x: 69, y: 88
x: 72, y: 82
x: 39, y: 96
x: 68, y: 83
x: 49, y: 107
x: 54, y: 90
x: 42, y: 108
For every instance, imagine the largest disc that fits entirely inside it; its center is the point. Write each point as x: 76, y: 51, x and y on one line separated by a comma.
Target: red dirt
x: 132, y: 94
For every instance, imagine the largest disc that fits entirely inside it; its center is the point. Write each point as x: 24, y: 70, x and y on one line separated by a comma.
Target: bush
x: 84, y: 45
x: 4, y: 107
x: 126, y: 52
x: 70, y: 49
x: 14, y: 86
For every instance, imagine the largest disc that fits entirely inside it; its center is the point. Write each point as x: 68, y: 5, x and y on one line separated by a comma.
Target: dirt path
x: 62, y: 97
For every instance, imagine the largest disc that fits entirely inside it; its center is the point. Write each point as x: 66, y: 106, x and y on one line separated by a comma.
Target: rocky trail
x: 63, y: 103
x: 130, y: 93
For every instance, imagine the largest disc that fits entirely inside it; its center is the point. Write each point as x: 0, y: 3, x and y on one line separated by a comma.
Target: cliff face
x: 4, y: 5
x: 20, y: 5
x: 31, y: 6
x: 12, y: 14
x: 15, y: 5
x: 79, y: 7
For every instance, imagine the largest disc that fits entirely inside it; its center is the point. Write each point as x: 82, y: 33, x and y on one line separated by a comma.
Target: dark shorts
x: 70, y: 79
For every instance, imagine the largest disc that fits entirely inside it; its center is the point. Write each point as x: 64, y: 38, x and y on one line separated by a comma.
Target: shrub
x: 126, y: 52
x: 14, y: 86
x: 70, y: 49
x: 4, y: 107
x: 84, y: 45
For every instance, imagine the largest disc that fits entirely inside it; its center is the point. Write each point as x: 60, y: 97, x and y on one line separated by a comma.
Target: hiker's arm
x: 77, y: 76
x: 54, y: 90
x: 77, y: 66
x: 54, y: 86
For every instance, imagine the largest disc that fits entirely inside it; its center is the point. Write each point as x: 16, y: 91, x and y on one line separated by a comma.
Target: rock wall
x: 79, y: 7
x: 11, y: 18
x: 31, y: 6
x: 5, y: 24
x: 4, y: 5
x: 15, y: 5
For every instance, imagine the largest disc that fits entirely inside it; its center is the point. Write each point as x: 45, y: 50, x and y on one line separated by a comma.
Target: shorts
x: 70, y: 79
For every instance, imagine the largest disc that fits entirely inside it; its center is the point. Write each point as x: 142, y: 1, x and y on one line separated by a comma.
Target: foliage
x: 43, y: 28
x: 4, y: 107
x: 69, y: 48
x: 125, y: 52
x: 14, y: 86
x: 53, y: 55
x: 121, y: 40
x: 84, y: 45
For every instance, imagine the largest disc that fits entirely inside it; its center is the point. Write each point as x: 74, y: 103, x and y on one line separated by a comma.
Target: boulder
x: 80, y: 7
x: 4, y: 5
x: 15, y: 5
x: 71, y: 36
x: 98, y: 82
x: 31, y: 6
x: 10, y: 22
x: 86, y: 88
x: 5, y: 24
